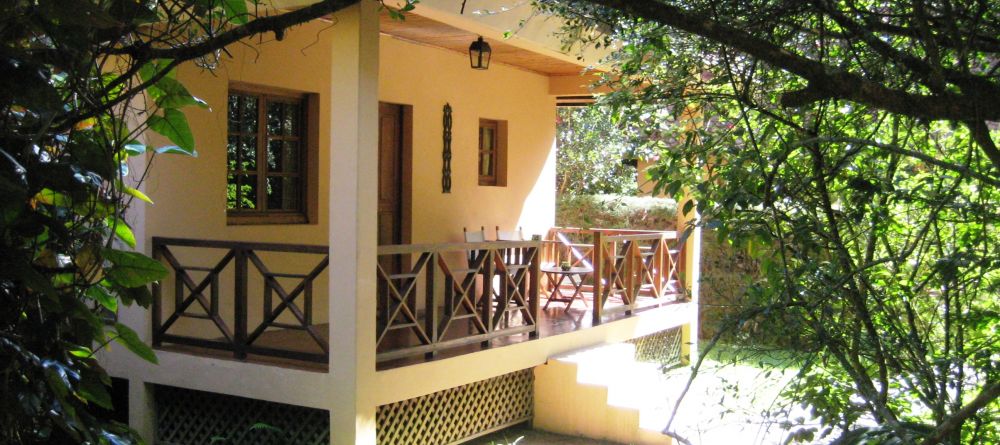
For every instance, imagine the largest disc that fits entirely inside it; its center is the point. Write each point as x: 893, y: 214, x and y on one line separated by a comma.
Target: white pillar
x: 691, y: 278
x: 353, y: 100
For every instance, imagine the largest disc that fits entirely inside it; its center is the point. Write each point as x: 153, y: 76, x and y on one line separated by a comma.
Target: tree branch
x: 981, y: 134
x: 989, y: 393
x: 275, y: 23
x: 892, y: 148
x: 825, y: 81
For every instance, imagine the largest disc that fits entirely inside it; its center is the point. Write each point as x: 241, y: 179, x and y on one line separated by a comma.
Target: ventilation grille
x: 188, y: 417
x: 662, y: 347
x: 458, y: 414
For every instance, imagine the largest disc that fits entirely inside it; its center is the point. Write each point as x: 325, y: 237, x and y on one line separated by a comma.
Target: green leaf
x: 173, y: 149
x: 127, y: 337
x: 136, y: 193
x: 53, y: 198
x: 134, y: 148
x: 101, y: 295
x: 174, y: 126
x: 140, y: 295
x: 236, y: 11
x: 132, y: 269
x: 170, y: 93
x: 93, y: 390
x: 150, y: 69
x: 122, y: 230
x: 80, y: 351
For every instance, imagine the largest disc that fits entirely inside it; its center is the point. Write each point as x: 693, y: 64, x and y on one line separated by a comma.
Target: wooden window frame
x: 308, y: 161
x: 499, y: 154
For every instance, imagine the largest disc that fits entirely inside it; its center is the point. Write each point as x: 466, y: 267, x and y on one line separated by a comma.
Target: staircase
x: 602, y: 393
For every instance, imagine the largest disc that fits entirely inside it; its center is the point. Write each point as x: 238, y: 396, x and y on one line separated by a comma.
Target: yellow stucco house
x: 328, y: 272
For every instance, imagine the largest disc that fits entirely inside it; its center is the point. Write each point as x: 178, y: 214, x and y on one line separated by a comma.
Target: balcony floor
x: 556, y: 320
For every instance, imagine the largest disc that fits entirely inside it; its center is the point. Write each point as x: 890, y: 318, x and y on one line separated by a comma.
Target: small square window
x: 492, y: 152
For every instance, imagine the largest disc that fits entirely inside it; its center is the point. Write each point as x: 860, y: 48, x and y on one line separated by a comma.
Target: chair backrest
x: 511, y: 235
x: 474, y: 237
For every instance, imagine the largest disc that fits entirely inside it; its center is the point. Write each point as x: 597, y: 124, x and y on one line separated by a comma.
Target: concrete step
x: 602, y: 393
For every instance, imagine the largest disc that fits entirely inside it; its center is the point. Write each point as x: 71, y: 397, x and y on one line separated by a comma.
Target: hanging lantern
x: 479, y: 54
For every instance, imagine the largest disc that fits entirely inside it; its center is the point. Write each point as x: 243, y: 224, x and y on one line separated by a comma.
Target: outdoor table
x: 558, y: 275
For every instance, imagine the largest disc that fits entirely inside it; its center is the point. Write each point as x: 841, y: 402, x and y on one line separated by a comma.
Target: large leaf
x: 173, y: 149
x: 93, y: 390
x: 170, y: 93
x: 122, y: 230
x: 236, y: 11
x: 151, y: 69
x: 174, y: 126
x: 136, y: 193
x: 101, y: 295
x: 132, y: 269
x: 127, y: 337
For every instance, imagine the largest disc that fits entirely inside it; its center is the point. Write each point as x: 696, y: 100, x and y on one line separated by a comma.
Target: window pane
x: 283, y: 156
x: 231, y: 152
x: 274, y: 155
x: 283, y: 193
x: 248, y: 153
x: 485, y: 164
x: 290, y: 156
x: 249, y: 114
x: 291, y: 124
x: 231, y: 191
x: 234, y: 113
x: 275, y: 113
x: 486, y: 138
x: 247, y: 196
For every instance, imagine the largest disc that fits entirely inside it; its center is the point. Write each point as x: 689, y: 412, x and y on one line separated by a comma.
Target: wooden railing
x: 433, y: 297
x: 220, y: 293
x: 629, y: 265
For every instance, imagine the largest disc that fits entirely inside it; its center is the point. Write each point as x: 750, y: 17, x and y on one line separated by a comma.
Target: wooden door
x: 394, y: 175
x: 390, y: 174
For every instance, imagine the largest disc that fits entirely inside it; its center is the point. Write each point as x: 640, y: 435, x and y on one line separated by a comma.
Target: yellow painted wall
x: 190, y: 193
x: 427, y: 78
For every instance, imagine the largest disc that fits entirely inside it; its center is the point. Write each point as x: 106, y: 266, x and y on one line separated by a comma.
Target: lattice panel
x: 188, y: 417
x: 455, y: 414
x: 662, y: 347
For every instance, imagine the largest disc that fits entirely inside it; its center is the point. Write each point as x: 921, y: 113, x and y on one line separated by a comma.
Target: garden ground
x: 734, y: 400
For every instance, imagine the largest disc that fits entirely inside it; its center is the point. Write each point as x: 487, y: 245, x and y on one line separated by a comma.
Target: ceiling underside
x: 429, y: 32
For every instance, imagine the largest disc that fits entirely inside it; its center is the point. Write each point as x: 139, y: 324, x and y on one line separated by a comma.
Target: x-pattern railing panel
x: 627, y: 264
x: 460, y: 293
x: 183, y: 283
x: 399, y: 300
x: 513, y: 289
x: 238, y: 257
x: 304, y: 287
x: 477, y: 295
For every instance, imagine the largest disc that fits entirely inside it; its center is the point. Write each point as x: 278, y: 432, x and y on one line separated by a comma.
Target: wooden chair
x: 474, y: 237
x: 511, y: 256
x: 515, y: 260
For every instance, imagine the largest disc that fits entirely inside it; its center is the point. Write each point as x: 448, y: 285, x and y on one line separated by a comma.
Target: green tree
x: 81, y: 80
x: 850, y: 147
x: 595, y: 153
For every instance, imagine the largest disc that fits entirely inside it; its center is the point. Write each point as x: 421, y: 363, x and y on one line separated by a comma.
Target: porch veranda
x: 233, y: 304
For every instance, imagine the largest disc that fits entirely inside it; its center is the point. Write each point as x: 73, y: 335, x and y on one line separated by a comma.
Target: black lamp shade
x: 479, y: 54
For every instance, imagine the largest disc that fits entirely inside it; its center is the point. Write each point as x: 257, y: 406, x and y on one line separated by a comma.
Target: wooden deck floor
x: 556, y: 320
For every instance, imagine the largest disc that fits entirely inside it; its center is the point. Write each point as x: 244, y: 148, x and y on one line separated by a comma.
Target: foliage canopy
x: 82, y: 80
x: 850, y: 147
x: 596, y: 154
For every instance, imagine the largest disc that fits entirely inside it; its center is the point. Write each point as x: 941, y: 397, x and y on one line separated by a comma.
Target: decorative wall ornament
x: 446, y: 153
